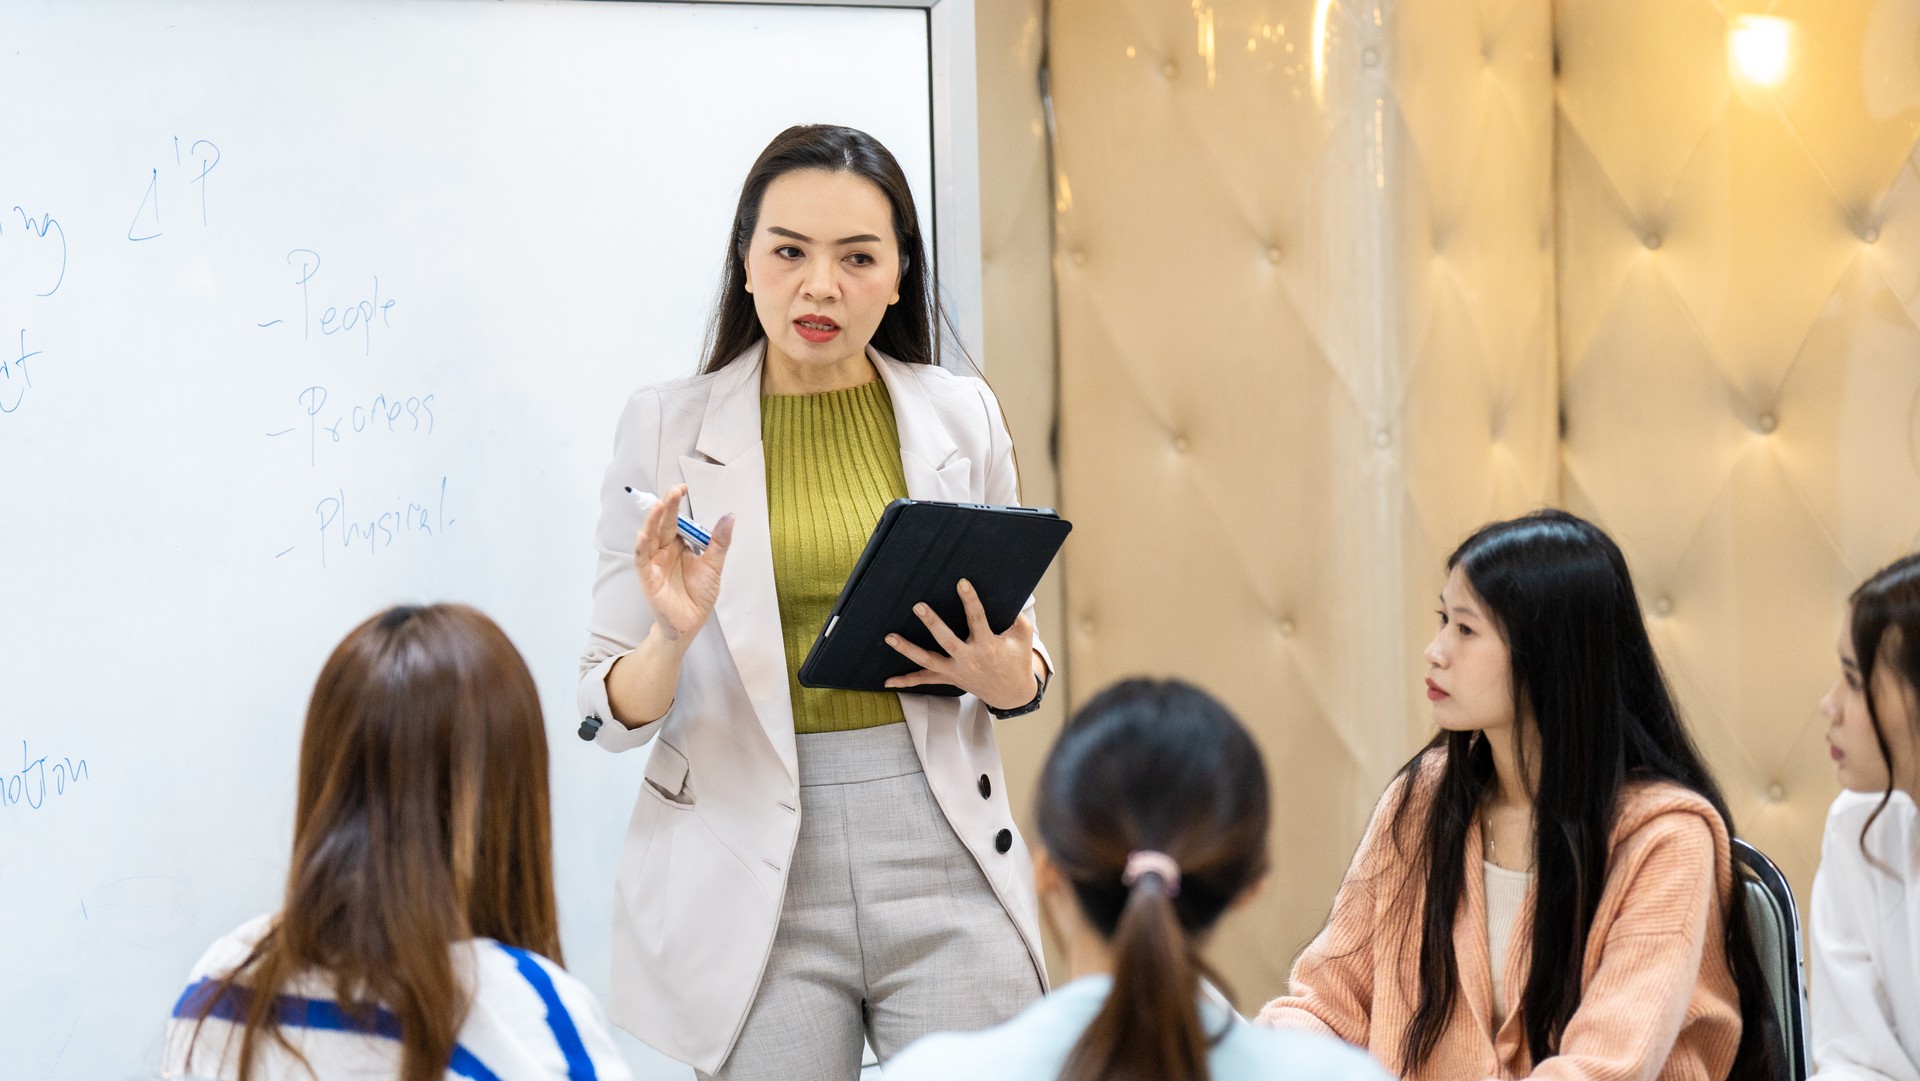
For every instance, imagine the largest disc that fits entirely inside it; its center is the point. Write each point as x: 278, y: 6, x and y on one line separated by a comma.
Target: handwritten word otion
x: 30, y: 785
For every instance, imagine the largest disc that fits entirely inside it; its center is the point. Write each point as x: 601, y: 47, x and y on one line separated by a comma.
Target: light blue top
x: 1034, y: 1046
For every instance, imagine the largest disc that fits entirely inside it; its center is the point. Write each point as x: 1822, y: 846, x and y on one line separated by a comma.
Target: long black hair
x: 1887, y: 601
x: 1157, y: 766
x: 1559, y: 592
x: 910, y: 329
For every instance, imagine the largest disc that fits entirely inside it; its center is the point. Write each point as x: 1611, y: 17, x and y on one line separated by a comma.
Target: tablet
x: 919, y: 552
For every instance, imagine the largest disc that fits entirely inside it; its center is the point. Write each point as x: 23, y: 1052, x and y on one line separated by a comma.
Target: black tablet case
x: 919, y: 551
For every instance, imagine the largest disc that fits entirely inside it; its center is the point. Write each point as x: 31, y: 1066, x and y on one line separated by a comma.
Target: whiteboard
x: 307, y: 309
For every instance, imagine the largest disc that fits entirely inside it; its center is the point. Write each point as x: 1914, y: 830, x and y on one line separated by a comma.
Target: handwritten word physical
x: 14, y: 378
x: 350, y: 529
x: 146, y: 219
x: 361, y: 314
x: 31, y: 785
x: 40, y: 228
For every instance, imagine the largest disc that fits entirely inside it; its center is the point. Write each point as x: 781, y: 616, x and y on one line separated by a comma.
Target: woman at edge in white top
x: 1866, y: 897
x: 1153, y: 817
x: 420, y: 900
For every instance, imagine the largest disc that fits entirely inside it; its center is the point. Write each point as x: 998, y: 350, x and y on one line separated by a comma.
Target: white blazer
x: 704, y: 867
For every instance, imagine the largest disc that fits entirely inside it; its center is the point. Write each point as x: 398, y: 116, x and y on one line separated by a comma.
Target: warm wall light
x: 1760, y: 49
x: 1321, y: 9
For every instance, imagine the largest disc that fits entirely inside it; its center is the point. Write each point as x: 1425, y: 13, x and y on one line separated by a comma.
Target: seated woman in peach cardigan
x: 1545, y: 890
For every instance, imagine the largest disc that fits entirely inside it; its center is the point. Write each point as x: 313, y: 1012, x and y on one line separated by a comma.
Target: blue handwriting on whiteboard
x: 13, y: 373
x: 150, y: 199
x: 39, y: 227
x: 413, y: 413
x: 340, y: 527
x: 360, y: 315
x: 31, y: 784
x: 205, y: 157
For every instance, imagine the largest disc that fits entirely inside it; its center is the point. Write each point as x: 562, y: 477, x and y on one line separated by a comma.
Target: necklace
x: 1486, y: 830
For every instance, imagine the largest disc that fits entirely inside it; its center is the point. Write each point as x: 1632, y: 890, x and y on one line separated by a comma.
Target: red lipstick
x: 816, y: 328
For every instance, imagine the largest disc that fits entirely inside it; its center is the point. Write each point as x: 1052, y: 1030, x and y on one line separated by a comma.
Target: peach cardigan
x: 1657, y: 998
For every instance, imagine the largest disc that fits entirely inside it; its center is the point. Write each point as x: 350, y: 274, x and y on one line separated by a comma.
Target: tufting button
x: 1182, y: 444
x: 1086, y: 624
x: 1169, y: 69
x: 1286, y: 628
x: 1273, y: 253
x: 1383, y: 438
x: 1079, y: 257
x: 1652, y: 241
x: 1663, y: 605
x: 1870, y: 236
x: 1776, y: 792
x: 1370, y: 56
x: 1768, y: 422
x: 986, y: 787
x: 1003, y: 842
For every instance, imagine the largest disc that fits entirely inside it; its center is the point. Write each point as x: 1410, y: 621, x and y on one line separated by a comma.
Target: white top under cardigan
x: 1034, y: 1046
x: 1506, y: 896
x: 530, y: 1021
x: 1865, y: 932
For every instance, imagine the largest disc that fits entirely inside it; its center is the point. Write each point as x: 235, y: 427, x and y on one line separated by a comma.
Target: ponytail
x: 1149, y: 1029
x: 1153, y: 809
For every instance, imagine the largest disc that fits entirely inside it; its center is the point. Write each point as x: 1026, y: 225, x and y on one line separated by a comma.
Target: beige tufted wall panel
x: 1739, y: 285
x: 1016, y: 246
x: 1303, y: 260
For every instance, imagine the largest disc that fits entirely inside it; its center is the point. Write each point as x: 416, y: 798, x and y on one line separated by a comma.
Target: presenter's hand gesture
x: 996, y: 668
x: 681, y: 587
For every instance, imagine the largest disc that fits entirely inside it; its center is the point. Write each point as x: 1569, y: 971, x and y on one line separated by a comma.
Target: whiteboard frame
x: 953, y: 72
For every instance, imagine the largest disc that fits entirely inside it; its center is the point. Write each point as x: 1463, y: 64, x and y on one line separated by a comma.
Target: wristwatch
x: 1039, y: 692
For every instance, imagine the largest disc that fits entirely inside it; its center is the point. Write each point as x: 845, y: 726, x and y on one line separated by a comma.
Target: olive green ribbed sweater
x: 833, y: 464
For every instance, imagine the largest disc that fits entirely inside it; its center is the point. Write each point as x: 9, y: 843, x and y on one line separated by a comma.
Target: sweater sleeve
x: 1650, y: 980
x: 1331, y: 987
x: 1853, y: 1036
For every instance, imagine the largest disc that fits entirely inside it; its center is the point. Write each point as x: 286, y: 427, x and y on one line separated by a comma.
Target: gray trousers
x: 889, y: 929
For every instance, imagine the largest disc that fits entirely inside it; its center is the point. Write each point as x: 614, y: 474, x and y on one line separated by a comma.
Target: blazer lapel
x: 727, y: 474
x: 929, y: 458
x: 934, y: 469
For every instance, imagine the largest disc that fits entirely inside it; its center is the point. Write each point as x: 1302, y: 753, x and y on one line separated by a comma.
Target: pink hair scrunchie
x: 1150, y: 862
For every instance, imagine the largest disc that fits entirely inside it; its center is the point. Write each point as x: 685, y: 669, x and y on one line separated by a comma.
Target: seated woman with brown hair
x: 417, y: 939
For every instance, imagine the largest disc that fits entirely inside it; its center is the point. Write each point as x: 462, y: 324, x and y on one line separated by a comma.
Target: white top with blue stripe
x: 530, y: 1021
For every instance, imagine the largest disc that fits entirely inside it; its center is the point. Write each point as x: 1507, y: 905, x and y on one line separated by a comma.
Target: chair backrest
x: 1776, y: 938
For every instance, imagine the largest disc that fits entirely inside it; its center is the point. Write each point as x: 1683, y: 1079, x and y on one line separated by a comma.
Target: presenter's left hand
x: 996, y: 668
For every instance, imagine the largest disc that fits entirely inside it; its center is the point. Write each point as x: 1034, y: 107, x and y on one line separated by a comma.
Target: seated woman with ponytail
x: 1153, y: 823
x: 1546, y: 890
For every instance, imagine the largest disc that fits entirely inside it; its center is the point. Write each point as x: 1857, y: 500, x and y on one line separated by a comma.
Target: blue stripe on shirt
x: 579, y: 1064
x: 324, y: 1015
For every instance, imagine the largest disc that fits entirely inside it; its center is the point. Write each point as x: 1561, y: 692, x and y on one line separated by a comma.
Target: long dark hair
x: 1559, y: 592
x: 910, y: 330
x: 1153, y: 765
x: 1887, y: 601
x: 421, y: 820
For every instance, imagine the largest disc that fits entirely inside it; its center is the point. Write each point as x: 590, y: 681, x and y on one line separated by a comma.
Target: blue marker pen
x: 691, y: 535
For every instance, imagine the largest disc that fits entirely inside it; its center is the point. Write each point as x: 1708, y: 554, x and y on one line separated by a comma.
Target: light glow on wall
x: 1760, y: 49
x: 1321, y: 8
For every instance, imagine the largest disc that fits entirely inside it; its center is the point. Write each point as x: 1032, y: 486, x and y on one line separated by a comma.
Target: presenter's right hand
x: 681, y: 587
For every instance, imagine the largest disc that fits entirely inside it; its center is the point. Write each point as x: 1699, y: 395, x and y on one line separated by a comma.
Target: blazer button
x: 986, y: 787
x: 1003, y: 841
